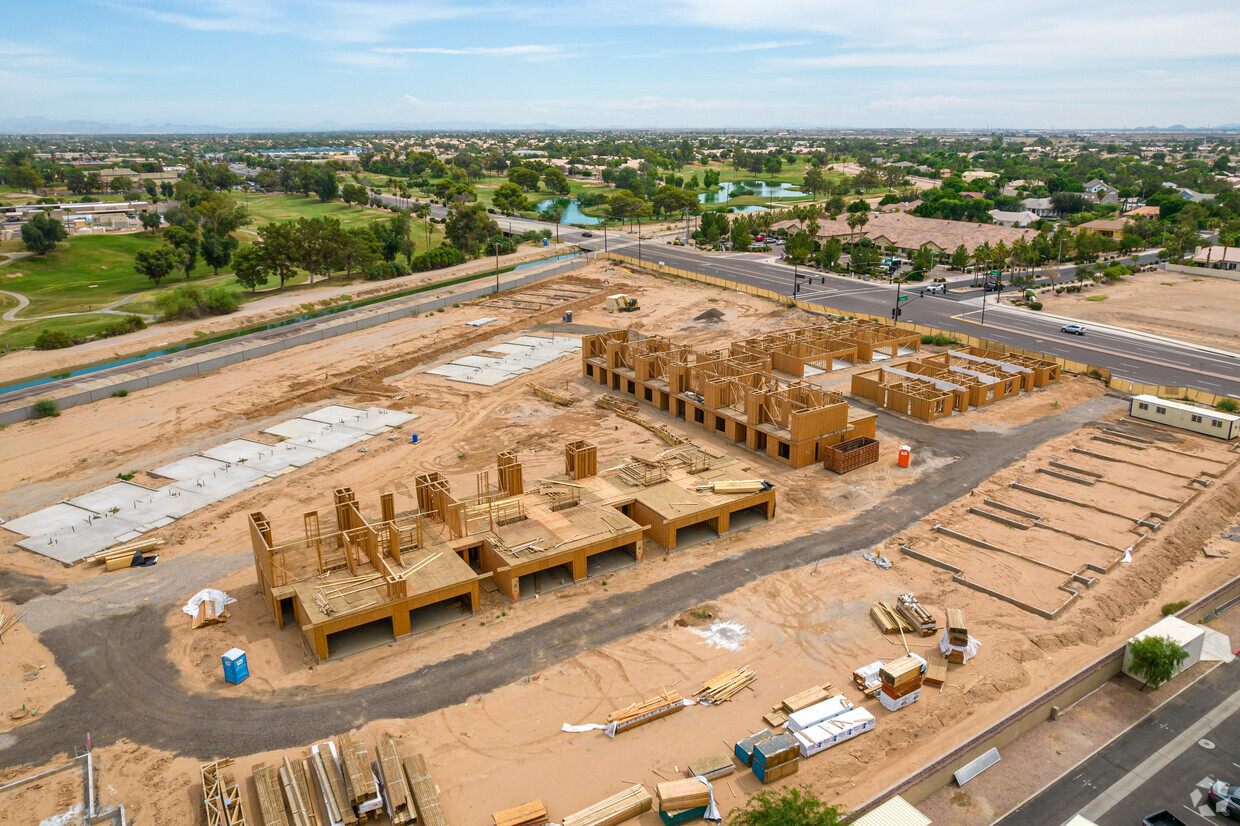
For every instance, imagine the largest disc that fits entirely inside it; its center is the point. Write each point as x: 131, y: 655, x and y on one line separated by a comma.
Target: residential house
x: 1218, y: 258
x: 1189, y: 194
x: 1097, y: 186
x: 1106, y: 227
x: 910, y: 233
x: 1041, y: 207
x: 1013, y: 219
x: 1143, y: 212
x: 979, y: 175
x: 1012, y: 188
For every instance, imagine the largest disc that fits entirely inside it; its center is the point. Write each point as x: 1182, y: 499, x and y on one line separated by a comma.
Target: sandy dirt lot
x: 801, y: 626
x: 1172, y: 304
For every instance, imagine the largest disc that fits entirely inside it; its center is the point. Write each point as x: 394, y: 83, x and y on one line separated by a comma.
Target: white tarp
x: 218, y: 598
x: 834, y: 731
x: 1216, y: 646
x: 817, y: 713
x: 969, y: 651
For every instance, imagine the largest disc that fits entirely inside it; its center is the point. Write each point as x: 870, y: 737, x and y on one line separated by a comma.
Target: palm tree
x: 424, y: 212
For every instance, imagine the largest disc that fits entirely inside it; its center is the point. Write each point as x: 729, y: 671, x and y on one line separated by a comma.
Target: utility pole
x: 639, y: 239
x: 497, y: 266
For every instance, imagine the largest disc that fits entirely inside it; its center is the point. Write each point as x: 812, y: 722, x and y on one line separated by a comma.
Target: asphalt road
x: 115, y: 656
x: 1193, y: 757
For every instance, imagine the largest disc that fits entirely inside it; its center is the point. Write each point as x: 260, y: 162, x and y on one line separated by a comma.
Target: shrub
x: 943, y: 341
x: 1156, y: 659
x: 438, y: 258
x: 120, y: 394
x: 53, y: 340
x: 927, y: 339
x: 1229, y: 406
x: 384, y: 270
x: 191, y: 302
x: 45, y: 408
x: 124, y: 324
x: 915, y: 276
x: 219, y: 301
x: 1171, y: 607
x: 1035, y: 305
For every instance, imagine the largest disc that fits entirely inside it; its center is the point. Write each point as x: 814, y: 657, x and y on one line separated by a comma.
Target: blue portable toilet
x: 545, y: 241
x: 235, y: 668
x: 413, y: 438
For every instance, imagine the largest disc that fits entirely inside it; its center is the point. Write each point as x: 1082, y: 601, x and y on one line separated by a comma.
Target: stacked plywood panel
x: 818, y: 712
x: 675, y: 795
x: 791, y: 705
x: 717, y: 765
x: 957, y: 636
x: 832, y: 732
x: 533, y: 813
x: 745, y: 746
x: 775, y: 758
x: 722, y: 688
x: 270, y: 797
x: 901, y: 682
x: 425, y: 794
x: 669, y: 702
x: 400, y: 805
x: 616, y: 809
x: 888, y: 619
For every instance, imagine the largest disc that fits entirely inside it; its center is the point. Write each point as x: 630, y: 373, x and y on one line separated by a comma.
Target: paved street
x: 1167, y: 761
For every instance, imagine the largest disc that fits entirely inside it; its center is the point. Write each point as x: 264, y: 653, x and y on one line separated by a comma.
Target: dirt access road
x: 150, y: 706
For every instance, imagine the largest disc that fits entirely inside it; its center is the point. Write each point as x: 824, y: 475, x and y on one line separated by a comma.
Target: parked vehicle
x: 1074, y: 329
x: 620, y: 303
x: 1225, y: 799
x: 1163, y: 818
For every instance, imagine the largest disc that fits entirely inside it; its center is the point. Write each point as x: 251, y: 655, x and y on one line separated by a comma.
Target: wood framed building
x: 734, y: 394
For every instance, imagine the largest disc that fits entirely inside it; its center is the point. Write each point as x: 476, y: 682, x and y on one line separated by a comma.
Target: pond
x: 756, y: 188
x: 572, y: 211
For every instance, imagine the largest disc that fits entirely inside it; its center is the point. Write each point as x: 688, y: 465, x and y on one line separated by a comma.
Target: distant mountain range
x: 36, y: 125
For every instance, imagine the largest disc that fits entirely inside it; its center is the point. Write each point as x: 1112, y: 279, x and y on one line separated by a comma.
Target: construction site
x: 526, y: 560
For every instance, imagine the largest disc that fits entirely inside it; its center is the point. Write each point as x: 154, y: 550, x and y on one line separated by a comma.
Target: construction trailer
x: 357, y: 570
x: 1204, y: 420
x: 732, y: 394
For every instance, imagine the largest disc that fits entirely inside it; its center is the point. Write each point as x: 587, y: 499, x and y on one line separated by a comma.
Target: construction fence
x: 1080, y: 368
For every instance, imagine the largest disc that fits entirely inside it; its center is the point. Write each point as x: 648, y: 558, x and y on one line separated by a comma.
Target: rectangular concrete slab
x: 267, y: 458
x: 222, y: 484
x: 332, y: 438
x: 118, y: 496
x: 73, y: 544
x: 334, y: 414
x: 49, y: 520
x: 391, y: 418
x: 294, y: 428
x: 189, y: 468
x: 161, y: 507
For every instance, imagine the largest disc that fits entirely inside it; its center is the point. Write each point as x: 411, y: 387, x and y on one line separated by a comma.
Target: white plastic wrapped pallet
x: 815, y: 714
x: 834, y: 731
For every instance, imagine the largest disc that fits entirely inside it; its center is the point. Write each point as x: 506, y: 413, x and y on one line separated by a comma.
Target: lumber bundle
x: 745, y: 746
x: 817, y: 713
x: 221, y: 796
x: 920, y: 618
x: 627, y: 410
x: 669, y: 702
x: 270, y: 797
x: 957, y: 635
x: 8, y: 619
x: 401, y: 808
x: 119, y: 557
x: 682, y: 794
x: 725, y: 686
x: 206, y: 615
x: 547, y: 394
x: 901, y: 682
x: 802, y: 699
x: 331, y: 783
x: 740, y: 486
x: 359, y: 781
x: 616, y: 809
x: 297, y: 791
x: 777, y: 757
x: 866, y: 679
x: 425, y: 794
x: 717, y: 765
x: 888, y: 619
x: 936, y: 669
x: 533, y: 813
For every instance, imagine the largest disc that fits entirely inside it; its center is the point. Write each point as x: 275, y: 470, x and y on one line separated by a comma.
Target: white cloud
x: 530, y: 50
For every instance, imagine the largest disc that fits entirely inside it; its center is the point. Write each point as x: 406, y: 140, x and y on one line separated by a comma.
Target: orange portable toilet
x: 906, y: 453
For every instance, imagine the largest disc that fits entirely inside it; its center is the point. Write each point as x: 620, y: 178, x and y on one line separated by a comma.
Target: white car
x: 1073, y: 329
x: 933, y: 289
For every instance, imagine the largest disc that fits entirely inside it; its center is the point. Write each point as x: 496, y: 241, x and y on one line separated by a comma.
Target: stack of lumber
x: 533, y: 813
x: 717, y: 765
x: 400, y: 804
x: 920, y: 618
x: 817, y: 713
x: 627, y: 410
x: 725, y: 686
x: 957, y: 636
x: 745, y: 746
x: 359, y: 780
x: 221, y: 796
x: 547, y: 394
x: 206, y: 615
x: 832, y: 732
x: 425, y: 794
x: 669, y: 702
x: 739, y: 486
x: 790, y: 705
x: 675, y: 795
x: 8, y: 619
x: 616, y: 809
x: 331, y: 782
x: 297, y: 790
x: 119, y: 557
x: 270, y: 797
x: 901, y: 682
x: 888, y: 619
x: 936, y: 669
x: 775, y: 758
x: 866, y: 679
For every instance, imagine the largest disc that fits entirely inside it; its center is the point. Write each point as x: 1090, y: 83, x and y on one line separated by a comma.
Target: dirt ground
x: 1176, y: 305
x: 802, y: 626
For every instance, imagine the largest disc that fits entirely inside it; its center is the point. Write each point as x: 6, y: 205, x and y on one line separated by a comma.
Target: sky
x: 623, y: 63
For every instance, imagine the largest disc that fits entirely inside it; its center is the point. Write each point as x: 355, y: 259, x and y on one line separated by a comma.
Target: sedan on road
x: 1074, y: 329
x: 1225, y: 799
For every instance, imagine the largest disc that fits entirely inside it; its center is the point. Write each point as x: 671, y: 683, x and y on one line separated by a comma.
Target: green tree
x: 357, y: 194
x: 152, y: 191
x: 858, y: 206
x: 791, y: 807
x: 469, y: 227
x: 830, y: 253
x: 1156, y: 659
x: 923, y: 261
x: 714, y: 226
x: 799, y: 247
x: 741, y: 238
x: 554, y: 213
x: 673, y: 199
x: 814, y: 182
x: 217, y: 251
x: 120, y: 183
x: 158, y: 263
x: 510, y: 199
x: 75, y: 181
x: 220, y: 214
x: 960, y: 257
x: 857, y: 221
x: 42, y: 233
x: 249, y: 265
x: 556, y: 181
x: 187, y: 243
x: 280, y: 249
x: 358, y: 249
x: 325, y: 185
x: 524, y: 177
x: 318, y: 241
x: 710, y: 178
x: 150, y: 220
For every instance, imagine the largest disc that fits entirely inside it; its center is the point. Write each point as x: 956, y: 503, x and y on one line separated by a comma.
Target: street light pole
x: 983, y: 305
x: 639, y: 239
x: 497, y: 266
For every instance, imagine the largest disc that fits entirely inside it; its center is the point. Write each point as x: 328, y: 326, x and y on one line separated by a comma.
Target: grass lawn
x: 23, y: 334
x: 267, y: 209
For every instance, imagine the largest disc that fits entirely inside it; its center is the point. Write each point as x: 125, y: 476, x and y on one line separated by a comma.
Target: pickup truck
x: 1163, y: 818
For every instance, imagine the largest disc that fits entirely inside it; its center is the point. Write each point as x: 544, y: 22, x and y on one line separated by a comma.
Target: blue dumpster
x: 235, y: 669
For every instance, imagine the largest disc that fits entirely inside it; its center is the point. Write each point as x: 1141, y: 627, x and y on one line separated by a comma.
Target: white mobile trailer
x: 1204, y: 420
